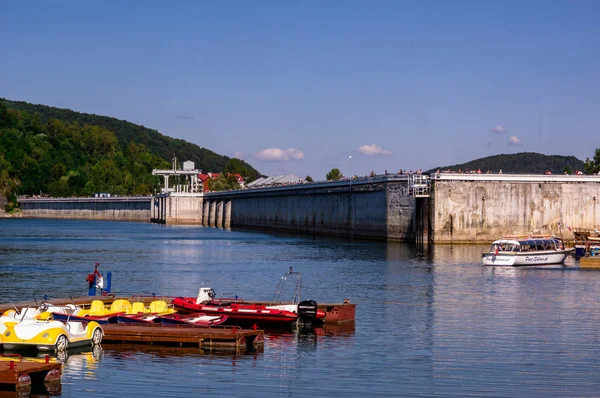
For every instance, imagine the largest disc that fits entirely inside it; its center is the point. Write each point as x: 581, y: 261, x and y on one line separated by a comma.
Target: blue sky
x: 300, y: 86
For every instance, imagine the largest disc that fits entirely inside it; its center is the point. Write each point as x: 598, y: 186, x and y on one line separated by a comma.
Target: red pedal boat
x: 274, y: 315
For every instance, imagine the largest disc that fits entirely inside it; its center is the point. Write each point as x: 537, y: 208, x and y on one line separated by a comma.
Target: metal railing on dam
x: 126, y: 208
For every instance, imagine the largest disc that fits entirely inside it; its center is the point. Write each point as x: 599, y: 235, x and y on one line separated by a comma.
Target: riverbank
x: 18, y: 214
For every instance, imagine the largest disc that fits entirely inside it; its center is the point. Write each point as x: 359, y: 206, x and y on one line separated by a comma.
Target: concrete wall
x: 126, y: 209
x: 462, y: 208
x: 481, y: 208
x: 184, y: 209
x: 361, y: 209
x: 400, y: 213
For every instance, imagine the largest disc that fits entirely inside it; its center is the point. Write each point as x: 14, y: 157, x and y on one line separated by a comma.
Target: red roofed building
x: 204, y: 178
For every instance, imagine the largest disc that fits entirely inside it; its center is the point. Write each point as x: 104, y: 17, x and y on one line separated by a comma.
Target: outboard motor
x: 307, y: 312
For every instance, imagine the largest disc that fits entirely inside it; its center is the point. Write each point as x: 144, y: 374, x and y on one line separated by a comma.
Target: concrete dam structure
x: 115, y: 208
x: 381, y: 207
x: 446, y: 208
x: 483, y: 207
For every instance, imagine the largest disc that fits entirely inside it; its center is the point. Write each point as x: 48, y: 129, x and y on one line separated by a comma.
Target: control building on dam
x: 437, y: 208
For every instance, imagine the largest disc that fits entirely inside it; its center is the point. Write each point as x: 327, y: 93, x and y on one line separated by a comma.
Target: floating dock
x: 17, y: 374
x: 589, y: 262
x: 334, y: 312
x: 211, y: 338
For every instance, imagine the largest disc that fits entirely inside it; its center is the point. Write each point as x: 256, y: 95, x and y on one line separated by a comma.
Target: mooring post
x: 108, y: 281
x: 92, y: 287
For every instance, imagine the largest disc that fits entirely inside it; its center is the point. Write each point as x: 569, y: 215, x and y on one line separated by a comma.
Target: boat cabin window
x: 528, y: 245
x: 505, y: 247
x: 541, y: 245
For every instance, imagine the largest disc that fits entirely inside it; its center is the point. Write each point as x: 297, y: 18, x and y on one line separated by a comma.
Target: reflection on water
x: 431, y: 320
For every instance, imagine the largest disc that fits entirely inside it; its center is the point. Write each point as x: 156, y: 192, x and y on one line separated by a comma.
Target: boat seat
x: 97, y: 308
x: 76, y: 327
x: 158, y: 306
x: 138, y: 307
x: 120, y: 305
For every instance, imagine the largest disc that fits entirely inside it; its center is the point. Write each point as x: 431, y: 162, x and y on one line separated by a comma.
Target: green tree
x: 568, y: 169
x: 308, y: 179
x: 159, y: 145
x: 334, y: 175
x: 223, y: 183
x: 592, y: 166
x: 65, y: 153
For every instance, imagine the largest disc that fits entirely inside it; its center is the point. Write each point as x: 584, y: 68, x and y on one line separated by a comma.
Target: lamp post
x: 350, y: 169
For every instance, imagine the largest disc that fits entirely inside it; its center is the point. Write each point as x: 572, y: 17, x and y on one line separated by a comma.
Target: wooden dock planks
x: 37, y: 371
x: 589, y: 262
x: 204, y: 338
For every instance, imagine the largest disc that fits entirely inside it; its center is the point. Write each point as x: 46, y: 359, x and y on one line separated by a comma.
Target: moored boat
x: 516, y: 250
x: 47, y: 335
x: 273, y: 315
x: 240, y: 314
x: 197, y: 319
x: 102, y: 314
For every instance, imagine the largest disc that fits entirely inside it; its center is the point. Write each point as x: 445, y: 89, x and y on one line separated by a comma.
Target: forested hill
x: 59, y: 152
x: 520, y: 163
x: 126, y: 132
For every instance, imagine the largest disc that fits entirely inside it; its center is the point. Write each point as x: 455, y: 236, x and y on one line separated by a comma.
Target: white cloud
x: 277, y: 154
x: 373, y: 150
x: 513, y: 140
x: 499, y: 129
x: 238, y: 155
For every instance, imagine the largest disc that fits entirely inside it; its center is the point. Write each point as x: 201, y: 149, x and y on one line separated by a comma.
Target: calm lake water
x: 429, y: 322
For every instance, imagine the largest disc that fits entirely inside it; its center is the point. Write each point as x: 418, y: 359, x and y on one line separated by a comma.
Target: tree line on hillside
x: 592, y: 166
x: 64, y: 159
x: 127, y: 132
x: 520, y: 163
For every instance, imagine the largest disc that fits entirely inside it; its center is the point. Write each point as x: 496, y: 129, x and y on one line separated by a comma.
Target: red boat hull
x: 240, y: 314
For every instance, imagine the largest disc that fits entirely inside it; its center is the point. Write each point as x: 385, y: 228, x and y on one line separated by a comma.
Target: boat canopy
x: 527, y: 244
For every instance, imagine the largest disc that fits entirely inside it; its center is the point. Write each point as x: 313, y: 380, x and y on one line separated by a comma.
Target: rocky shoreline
x: 4, y: 214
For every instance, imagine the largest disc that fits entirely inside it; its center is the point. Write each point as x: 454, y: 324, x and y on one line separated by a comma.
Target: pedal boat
x: 109, y: 314
x: 140, y: 314
x: 42, y: 312
x: 48, y: 335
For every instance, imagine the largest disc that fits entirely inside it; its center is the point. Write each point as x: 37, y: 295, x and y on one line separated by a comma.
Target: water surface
x: 430, y: 321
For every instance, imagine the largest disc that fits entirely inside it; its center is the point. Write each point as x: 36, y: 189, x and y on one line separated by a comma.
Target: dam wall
x: 177, y: 208
x: 115, y: 208
x: 372, y: 208
x: 455, y: 208
x: 483, y: 207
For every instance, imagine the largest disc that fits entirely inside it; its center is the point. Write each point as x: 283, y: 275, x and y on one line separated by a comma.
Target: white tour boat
x: 526, y: 250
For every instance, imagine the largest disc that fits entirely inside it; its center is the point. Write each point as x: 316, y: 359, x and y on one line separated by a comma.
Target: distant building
x: 275, y: 181
x: 186, y: 179
x: 204, y: 178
